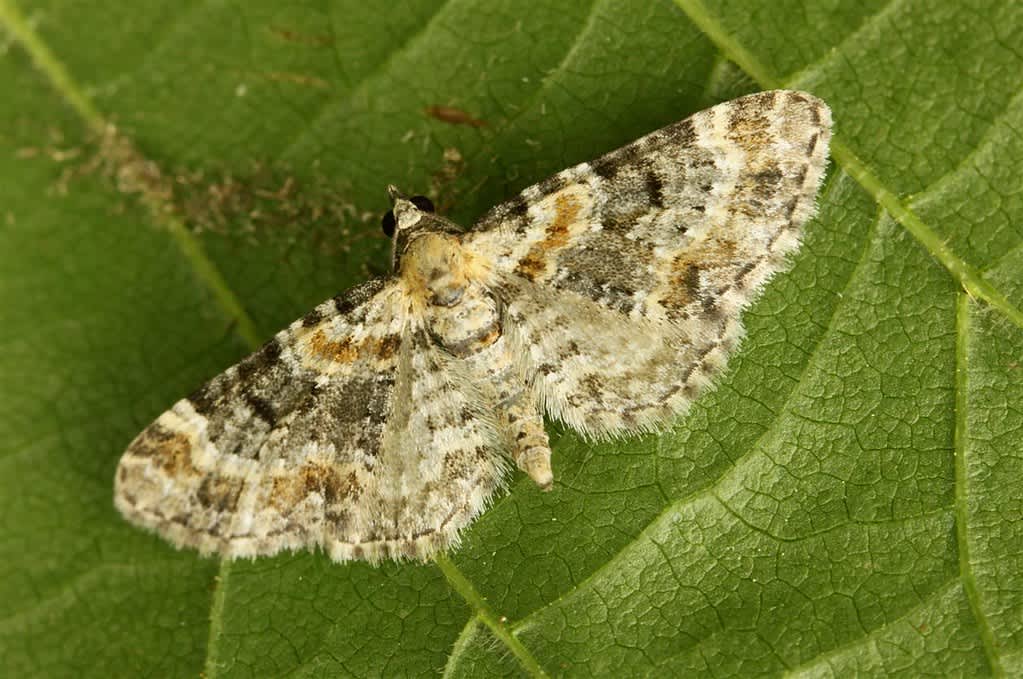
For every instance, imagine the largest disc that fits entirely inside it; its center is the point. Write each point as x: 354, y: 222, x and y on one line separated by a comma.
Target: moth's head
x: 409, y: 218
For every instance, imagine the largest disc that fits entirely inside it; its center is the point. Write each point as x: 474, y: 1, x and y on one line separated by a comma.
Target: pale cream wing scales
x: 601, y: 374
x: 295, y: 447
x: 673, y: 235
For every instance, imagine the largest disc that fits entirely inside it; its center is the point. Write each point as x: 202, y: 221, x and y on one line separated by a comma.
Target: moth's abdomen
x: 472, y: 332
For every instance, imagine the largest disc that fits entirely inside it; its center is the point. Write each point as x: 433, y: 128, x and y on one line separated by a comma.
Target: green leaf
x: 848, y: 501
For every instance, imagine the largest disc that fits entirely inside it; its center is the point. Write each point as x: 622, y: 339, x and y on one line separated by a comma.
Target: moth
x: 606, y: 296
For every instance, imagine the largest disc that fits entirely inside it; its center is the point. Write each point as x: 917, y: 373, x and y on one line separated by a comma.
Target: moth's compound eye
x: 423, y: 203
x: 388, y: 223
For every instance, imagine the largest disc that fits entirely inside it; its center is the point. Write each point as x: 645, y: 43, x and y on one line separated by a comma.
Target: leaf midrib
x: 62, y: 82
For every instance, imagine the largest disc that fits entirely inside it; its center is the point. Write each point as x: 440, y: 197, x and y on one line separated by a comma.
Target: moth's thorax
x: 437, y: 270
x: 433, y: 269
x: 410, y: 224
x: 446, y: 284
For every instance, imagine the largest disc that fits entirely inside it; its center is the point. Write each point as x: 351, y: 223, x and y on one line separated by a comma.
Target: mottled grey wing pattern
x: 608, y: 295
x: 657, y: 247
x: 312, y: 442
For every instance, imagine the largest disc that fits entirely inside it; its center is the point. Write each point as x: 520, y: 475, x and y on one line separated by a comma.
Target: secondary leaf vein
x: 709, y: 489
x: 62, y: 82
x: 461, y: 584
x: 962, y: 486
x: 205, y: 270
x: 964, y: 274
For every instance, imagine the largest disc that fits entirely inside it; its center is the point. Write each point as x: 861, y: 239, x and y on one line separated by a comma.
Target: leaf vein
x: 962, y: 486
x: 844, y: 157
x: 709, y: 489
x: 460, y: 645
x: 204, y: 268
x: 328, y: 104
x: 501, y: 630
x: 545, y: 82
x: 66, y: 596
x: 63, y: 83
x: 809, y: 668
x: 985, y: 143
x: 808, y: 72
